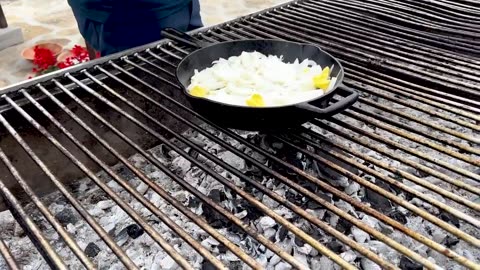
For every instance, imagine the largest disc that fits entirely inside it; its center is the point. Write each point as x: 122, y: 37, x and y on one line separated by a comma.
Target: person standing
x: 111, y: 26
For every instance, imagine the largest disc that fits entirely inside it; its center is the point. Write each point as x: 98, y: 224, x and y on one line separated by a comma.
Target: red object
x: 29, y: 53
x: 44, y: 58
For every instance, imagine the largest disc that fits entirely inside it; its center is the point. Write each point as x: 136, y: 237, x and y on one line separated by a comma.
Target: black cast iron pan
x: 253, y: 118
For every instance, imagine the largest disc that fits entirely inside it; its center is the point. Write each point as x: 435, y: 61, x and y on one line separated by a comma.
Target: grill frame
x: 131, y: 56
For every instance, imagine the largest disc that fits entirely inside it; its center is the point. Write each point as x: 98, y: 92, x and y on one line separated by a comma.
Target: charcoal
x: 335, y: 246
x: 377, y: 201
x: 66, y: 216
x: 207, y: 265
x: 368, y: 264
x: 407, y: 264
x: 164, y: 151
x: 193, y: 202
x: 121, y: 237
x: 311, y: 204
x: 92, y: 250
x: 215, y: 219
x: 217, y: 195
x: 222, y: 248
x: 125, y: 172
x: 282, y: 233
x: 421, y: 174
x: 253, y: 212
x: 450, y: 219
x: 294, y: 197
x: 299, y: 242
x: 344, y: 226
x: 359, y: 235
x: 398, y: 216
x: 450, y: 241
x: 134, y: 231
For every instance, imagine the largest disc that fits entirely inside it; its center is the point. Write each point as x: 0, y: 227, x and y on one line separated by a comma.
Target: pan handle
x: 334, y: 108
x: 183, y: 38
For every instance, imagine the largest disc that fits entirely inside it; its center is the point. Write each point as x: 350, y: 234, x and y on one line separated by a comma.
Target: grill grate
x: 411, y: 143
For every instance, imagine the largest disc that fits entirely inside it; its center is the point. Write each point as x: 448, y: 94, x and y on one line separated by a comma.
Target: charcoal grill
x: 391, y: 183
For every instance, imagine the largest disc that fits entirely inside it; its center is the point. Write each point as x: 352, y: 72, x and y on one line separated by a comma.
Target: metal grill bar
x: 322, y: 249
x: 173, y: 176
x: 7, y: 256
x: 30, y: 228
x: 136, y: 194
x: 237, y: 173
x: 48, y: 215
x: 245, y: 142
x: 392, y: 169
x: 413, y: 117
x: 417, y: 153
x: 153, y: 233
x: 323, y: 202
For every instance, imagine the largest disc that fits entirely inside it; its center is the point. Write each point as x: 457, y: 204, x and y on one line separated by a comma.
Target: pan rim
x: 338, y: 82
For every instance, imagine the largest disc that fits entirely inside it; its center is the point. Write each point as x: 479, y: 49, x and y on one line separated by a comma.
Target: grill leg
x: 3, y: 20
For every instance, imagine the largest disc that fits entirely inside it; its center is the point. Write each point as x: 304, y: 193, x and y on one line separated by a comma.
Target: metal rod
x: 437, y: 247
x: 419, y: 93
x: 29, y: 227
x: 7, y: 256
x: 83, y: 212
x: 379, y: 122
x: 165, y: 195
x: 287, y: 257
x: 412, y: 118
x: 154, y: 234
x: 404, y: 148
x: 167, y: 111
x: 391, y: 50
x: 239, y: 174
x: 351, y: 28
x: 322, y: 183
x: 321, y: 248
x: 362, y: 141
x: 122, y: 182
x: 421, y: 238
x: 400, y: 31
x: 47, y: 214
x: 427, y: 216
x: 268, y: 24
x: 392, y: 169
x: 387, y: 179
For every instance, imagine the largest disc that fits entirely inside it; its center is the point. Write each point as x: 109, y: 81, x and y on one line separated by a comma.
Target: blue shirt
x: 103, y: 10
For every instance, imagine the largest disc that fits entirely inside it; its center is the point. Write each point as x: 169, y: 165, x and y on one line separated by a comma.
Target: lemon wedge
x: 322, y: 84
x: 322, y: 81
x: 256, y: 100
x: 198, y: 91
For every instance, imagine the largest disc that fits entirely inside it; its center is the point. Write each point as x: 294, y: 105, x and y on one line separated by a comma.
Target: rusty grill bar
x: 412, y: 141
